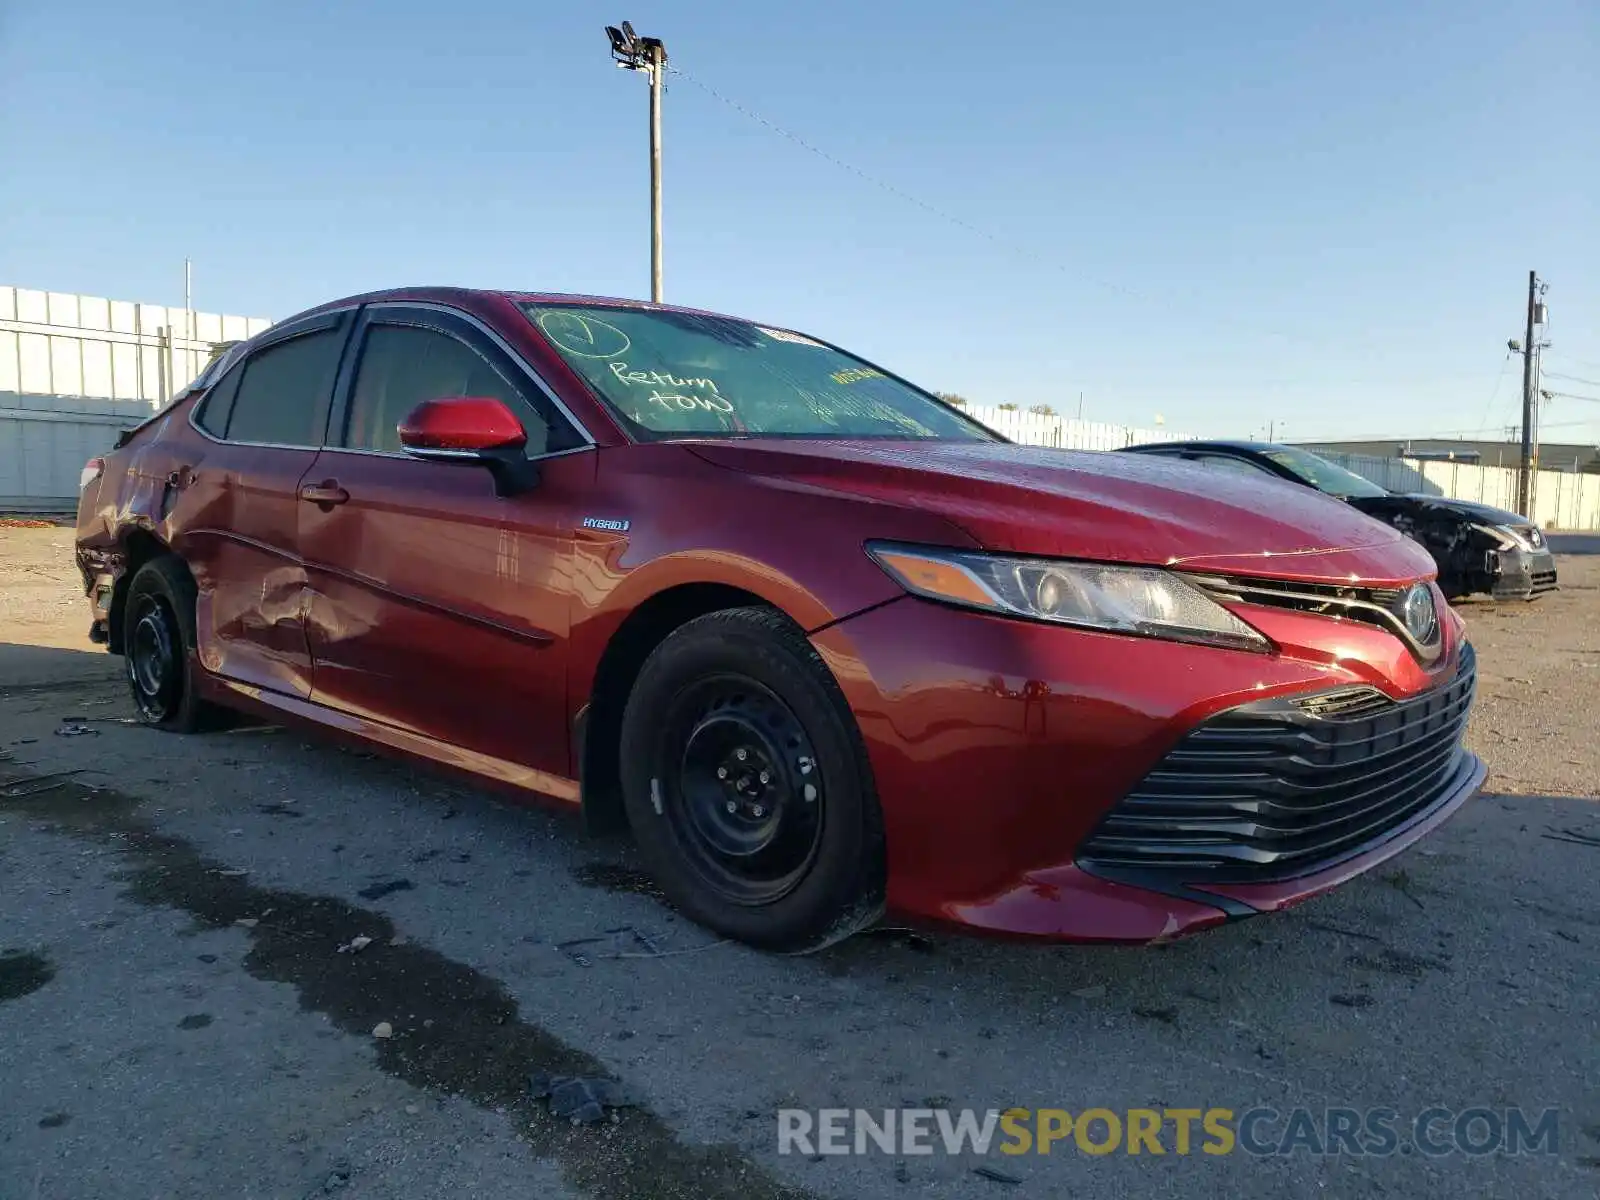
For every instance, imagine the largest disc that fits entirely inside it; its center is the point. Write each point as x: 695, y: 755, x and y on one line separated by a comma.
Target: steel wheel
x: 154, y: 657
x: 747, y: 785
x: 739, y: 787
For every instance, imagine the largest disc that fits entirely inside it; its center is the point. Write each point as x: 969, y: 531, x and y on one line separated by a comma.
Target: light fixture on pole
x: 634, y: 53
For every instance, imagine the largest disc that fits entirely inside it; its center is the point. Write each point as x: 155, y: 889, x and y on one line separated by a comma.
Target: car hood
x: 1482, y: 514
x: 1092, y: 505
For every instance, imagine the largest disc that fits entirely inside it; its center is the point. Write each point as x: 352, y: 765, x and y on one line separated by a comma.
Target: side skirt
x: 482, y: 768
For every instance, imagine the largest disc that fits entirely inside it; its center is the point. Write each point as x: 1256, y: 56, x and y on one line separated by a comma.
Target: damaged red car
x: 824, y: 644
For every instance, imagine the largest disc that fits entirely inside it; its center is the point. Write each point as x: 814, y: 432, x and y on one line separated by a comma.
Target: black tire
x: 158, y: 649
x: 747, y: 784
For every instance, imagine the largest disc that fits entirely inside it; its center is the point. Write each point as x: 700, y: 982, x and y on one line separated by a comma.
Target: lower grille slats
x: 1276, y: 788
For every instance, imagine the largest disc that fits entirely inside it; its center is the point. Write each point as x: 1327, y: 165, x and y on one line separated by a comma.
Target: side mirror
x: 473, y: 429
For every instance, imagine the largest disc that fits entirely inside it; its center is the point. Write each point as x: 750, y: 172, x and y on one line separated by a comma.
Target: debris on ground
x: 1568, y: 834
x: 35, y: 784
x: 1092, y: 992
x: 383, y: 1030
x: 356, y: 944
x: 622, y: 935
x: 75, y: 729
x: 581, y: 1100
x: 337, y: 1179
x: 909, y: 938
x: 387, y: 887
x: 997, y: 1175
x: 248, y: 922
x: 1167, y: 1016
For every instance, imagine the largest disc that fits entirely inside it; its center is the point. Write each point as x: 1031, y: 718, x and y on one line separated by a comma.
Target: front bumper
x: 1524, y: 574
x: 1001, y: 747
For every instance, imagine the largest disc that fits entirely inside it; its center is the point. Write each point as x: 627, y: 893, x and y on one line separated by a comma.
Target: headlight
x: 1509, y: 536
x: 1138, y: 600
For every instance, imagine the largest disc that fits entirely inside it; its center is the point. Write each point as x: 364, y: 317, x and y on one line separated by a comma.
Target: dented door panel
x: 438, y: 607
x: 237, y: 520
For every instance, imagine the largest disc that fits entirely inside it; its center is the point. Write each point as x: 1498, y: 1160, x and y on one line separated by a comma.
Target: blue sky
x: 1317, y: 214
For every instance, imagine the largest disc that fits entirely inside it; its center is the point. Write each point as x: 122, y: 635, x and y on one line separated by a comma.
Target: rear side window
x: 283, y: 396
x: 403, y: 365
x: 218, y: 406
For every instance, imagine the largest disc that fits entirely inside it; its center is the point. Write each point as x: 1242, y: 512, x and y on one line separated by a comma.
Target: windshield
x: 1322, y: 474
x: 673, y: 374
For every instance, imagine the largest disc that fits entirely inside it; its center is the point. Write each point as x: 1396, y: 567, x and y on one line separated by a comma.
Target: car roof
x: 1246, y: 446
x: 470, y: 296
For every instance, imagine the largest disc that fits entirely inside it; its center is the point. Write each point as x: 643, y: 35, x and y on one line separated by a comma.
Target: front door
x: 436, y: 606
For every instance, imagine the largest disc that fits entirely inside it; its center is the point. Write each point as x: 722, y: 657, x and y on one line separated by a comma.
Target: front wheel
x: 747, y: 784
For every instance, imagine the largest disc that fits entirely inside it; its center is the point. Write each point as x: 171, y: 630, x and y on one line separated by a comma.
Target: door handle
x: 327, y: 493
x: 180, y: 478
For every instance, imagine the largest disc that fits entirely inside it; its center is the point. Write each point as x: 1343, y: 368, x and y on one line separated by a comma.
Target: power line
x: 1030, y: 254
x: 1582, y: 362
x: 1570, y: 378
x: 1499, y: 379
x: 1572, y: 396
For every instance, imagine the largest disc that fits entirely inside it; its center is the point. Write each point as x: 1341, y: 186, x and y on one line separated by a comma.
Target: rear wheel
x: 158, y: 649
x: 747, y: 784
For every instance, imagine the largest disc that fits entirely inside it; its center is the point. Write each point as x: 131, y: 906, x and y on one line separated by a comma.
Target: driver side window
x: 403, y: 365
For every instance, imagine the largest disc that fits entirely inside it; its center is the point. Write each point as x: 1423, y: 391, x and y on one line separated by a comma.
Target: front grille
x: 1275, y: 789
x: 1544, y: 581
x: 1383, y: 607
x: 1345, y: 702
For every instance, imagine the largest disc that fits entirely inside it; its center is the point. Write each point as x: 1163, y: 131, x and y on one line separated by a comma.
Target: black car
x: 1478, y: 548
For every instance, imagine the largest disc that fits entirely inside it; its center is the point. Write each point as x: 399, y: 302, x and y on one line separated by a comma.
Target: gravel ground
x: 176, y: 1018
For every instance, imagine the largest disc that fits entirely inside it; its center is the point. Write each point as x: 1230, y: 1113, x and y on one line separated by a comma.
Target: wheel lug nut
x: 722, y: 772
x: 741, y: 754
x: 759, y: 811
x: 732, y: 807
x: 765, y: 777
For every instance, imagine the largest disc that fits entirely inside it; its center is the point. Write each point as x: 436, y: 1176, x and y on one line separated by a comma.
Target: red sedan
x: 824, y: 643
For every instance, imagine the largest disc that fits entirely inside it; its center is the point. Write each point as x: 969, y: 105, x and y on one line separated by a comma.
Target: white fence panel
x: 57, y: 343
x: 45, y: 440
x: 1039, y: 429
x: 74, y: 370
x: 1561, y: 499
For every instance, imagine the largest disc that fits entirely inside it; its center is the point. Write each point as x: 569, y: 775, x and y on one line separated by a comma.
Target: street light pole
x: 635, y: 53
x: 658, y: 65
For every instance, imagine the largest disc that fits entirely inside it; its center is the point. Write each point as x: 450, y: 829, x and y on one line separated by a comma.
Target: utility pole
x: 634, y: 53
x: 1525, y: 471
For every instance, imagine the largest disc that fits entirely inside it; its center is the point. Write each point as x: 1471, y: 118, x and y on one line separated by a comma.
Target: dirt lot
x: 176, y: 1018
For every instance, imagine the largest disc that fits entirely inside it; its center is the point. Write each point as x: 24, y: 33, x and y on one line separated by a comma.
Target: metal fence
x: 74, y: 370
x: 1561, y: 499
x: 1039, y: 429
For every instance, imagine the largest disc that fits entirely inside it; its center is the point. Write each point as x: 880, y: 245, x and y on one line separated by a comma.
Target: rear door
x: 437, y: 606
x: 236, y: 505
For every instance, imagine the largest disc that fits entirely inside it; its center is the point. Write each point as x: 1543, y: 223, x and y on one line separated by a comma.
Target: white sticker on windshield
x: 783, y: 335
